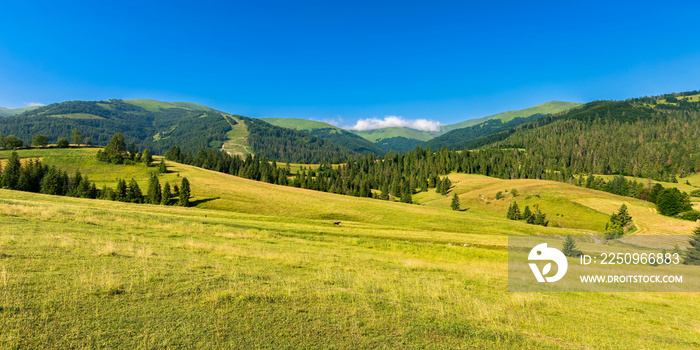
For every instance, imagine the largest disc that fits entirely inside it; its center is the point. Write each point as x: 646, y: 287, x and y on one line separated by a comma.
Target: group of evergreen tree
x: 692, y: 254
x: 632, y: 137
x: 189, y: 128
x: 41, y: 140
x: 116, y: 153
x: 132, y: 193
x: 533, y: 218
x: 34, y: 176
x: 669, y: 201
x: 619, y: 224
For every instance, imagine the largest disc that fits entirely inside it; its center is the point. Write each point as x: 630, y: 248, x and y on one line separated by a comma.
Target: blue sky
x: 344, y: 61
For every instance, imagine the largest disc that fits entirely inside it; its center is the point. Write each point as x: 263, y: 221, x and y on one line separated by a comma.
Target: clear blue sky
x: 329, y: 60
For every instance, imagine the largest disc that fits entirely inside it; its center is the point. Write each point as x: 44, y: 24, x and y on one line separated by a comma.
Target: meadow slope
x: 260, y: 266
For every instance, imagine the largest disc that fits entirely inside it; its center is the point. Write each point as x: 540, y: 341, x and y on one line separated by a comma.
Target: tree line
x: 668, y: 201
x: 40, y: 140
x: 34, y: 176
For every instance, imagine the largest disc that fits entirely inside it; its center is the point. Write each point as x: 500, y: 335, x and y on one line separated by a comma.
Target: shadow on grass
x: 200, y: 201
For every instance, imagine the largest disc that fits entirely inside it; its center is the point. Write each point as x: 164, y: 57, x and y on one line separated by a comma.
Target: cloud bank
x: 34, y: 104
x: 394, y: 121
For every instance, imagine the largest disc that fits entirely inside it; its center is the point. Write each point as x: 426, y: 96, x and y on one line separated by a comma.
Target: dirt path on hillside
x: 237, y: 144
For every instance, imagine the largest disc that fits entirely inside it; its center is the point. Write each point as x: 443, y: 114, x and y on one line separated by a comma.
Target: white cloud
x: 34, y: 104
x: 394, y: 121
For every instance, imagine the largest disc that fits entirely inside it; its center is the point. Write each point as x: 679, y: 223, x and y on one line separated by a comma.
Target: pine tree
x: 76, y: 137
x: 385, y: 191
x: 161, y: 167
x: 10, y: 176
x: 527, y: 214
x: 134, y: 194
x: 569, y: 248
x: 120, y: 194
x: 541, y: 218
x: 154, y: 190
x: 623, y: 217
x: 446, y: 184
x: 166, y: 195
x: 184, y: 193
x: 147, y: 158
x: 692, y: 255
x: 455, y: 202
x: 514, y: 211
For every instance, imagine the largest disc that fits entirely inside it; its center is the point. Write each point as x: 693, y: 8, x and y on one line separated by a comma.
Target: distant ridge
x: 328, y: 132
x: 544, y: 108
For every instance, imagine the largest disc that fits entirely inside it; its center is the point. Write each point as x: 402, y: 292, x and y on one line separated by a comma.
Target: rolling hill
x: 7, y: 112
x: 398, y: 139
x: 328, y: 132
x: 541, y: 109
x: 158, y: 125
x: 653, y: 137
x: 252, y: 257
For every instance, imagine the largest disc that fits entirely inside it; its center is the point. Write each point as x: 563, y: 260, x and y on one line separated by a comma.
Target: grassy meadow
x: 255, y: 265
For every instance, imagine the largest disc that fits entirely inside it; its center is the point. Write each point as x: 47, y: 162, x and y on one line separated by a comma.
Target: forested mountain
x: 474, y: 136
x: 398, y: 144
x: 655, y: 137
x: 157, y: 126
x: 7, y: 112
x: 505, y: 117
x: 155, y: 129
x: 376, y: 135
x: 282, y: 144
x: 328, y: 132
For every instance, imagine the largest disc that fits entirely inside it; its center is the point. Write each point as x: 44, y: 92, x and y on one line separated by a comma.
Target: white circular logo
x: 542, y: 252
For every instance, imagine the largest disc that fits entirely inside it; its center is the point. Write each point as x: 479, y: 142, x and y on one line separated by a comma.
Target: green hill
x: 158, y: 125
x: 155, y: 106
x: 299, y: 124
x: 254, y: 257
x: 375, y: 135
x: 328, y: 132
x: 7, y: 112
x: 471, y: 136
x: 653, y: 137
x: 541, y: 109
x: 157, y: 128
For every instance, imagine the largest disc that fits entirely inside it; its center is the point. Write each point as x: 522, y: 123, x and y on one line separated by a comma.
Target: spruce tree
x: 692, y: 255
x: 154, y: 190
x: 514, y: 211
x: 10, y: 176
x: 161, y: 167
x: 76, y: 137
x: 120, y: 194
x: 569, y: 248
x: 541, y: 218
x: 385, y: 191
x: 147, y: 158
x: 446, y: 184
x: 134, y: 194
x: 527, y: 214
x: 184, y: 193
x: 455, y: 202
x: 166, y: 195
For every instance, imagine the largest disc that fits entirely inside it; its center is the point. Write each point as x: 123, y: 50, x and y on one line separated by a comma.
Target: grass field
x: 260, y: 266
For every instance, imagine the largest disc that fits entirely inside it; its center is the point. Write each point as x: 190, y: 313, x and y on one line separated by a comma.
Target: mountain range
x: 158, y: 126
